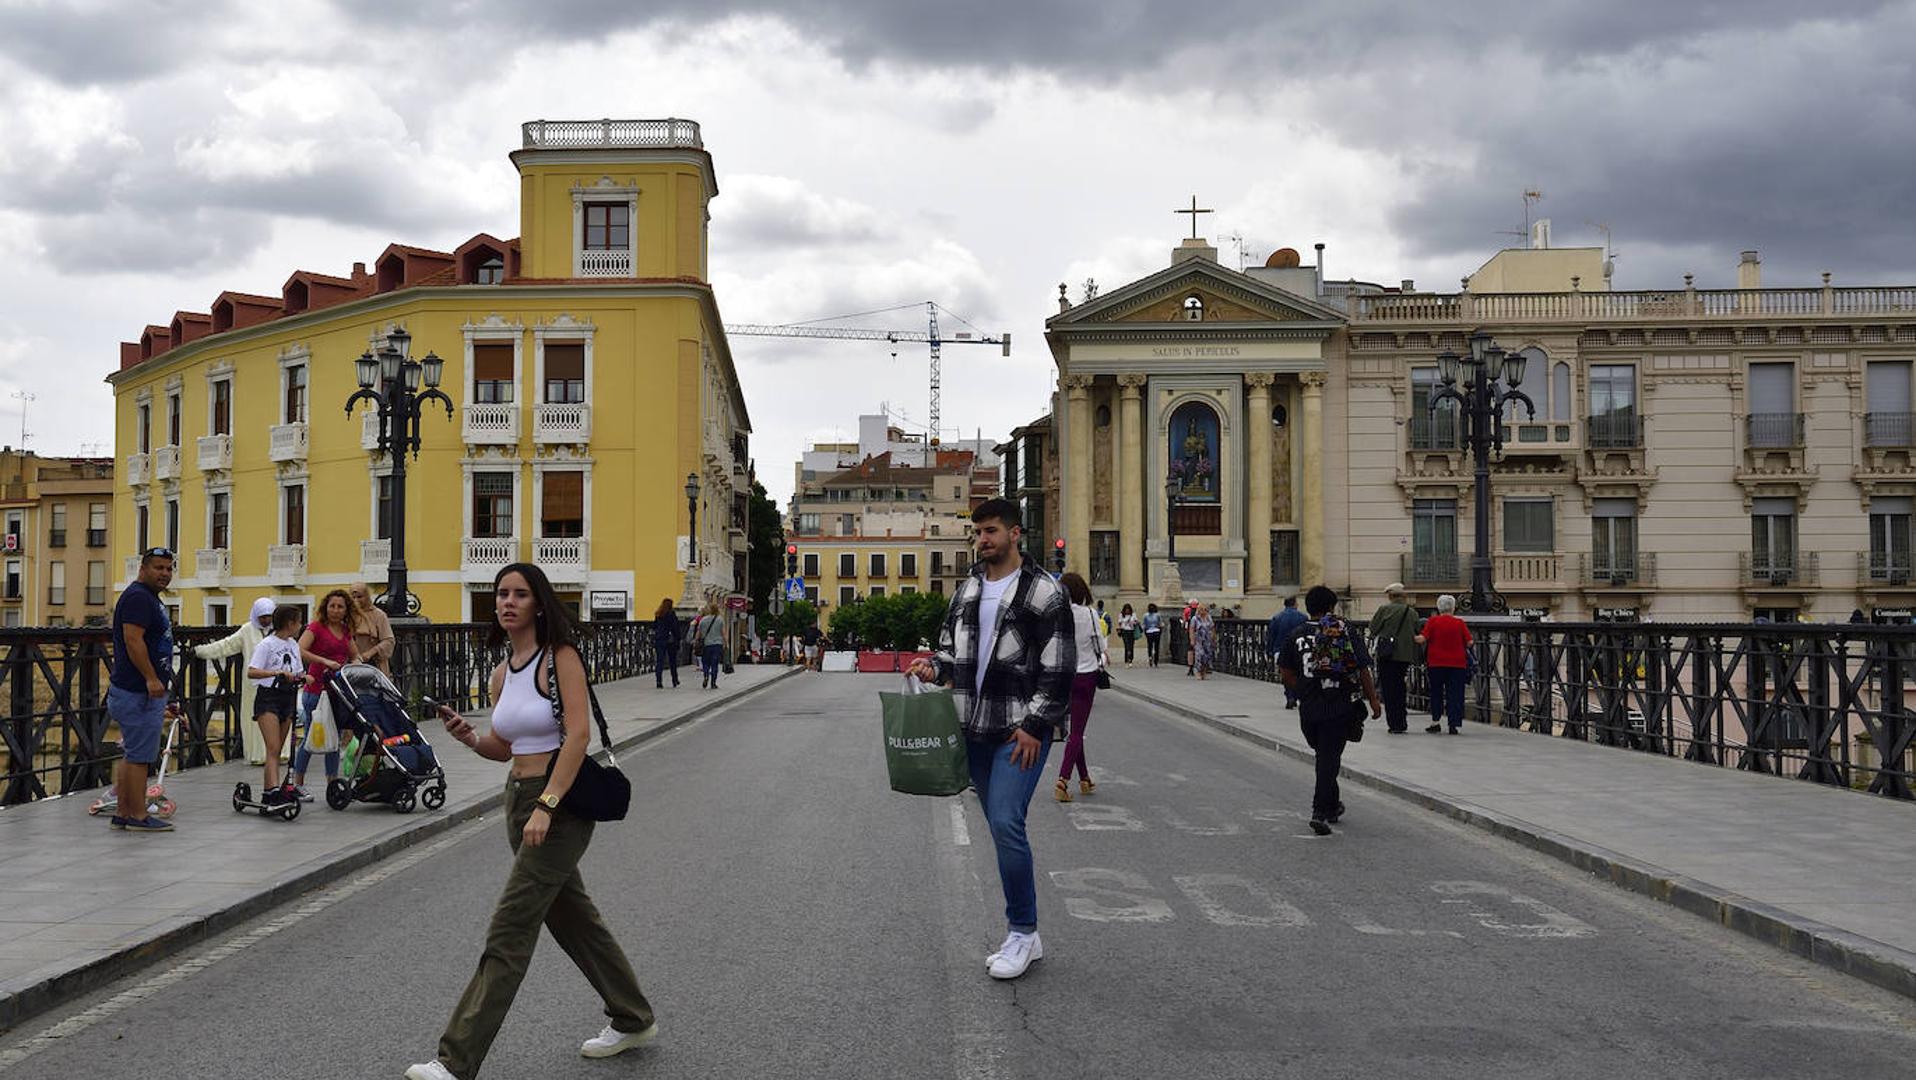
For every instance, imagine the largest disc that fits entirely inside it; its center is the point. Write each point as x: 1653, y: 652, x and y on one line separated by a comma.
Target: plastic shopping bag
x: 322, y: 735
x: 924, y: 745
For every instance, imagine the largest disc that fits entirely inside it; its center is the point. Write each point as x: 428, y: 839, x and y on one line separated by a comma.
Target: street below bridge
x: 790, y: 916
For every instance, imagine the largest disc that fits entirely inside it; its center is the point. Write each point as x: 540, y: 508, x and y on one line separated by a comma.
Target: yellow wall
x: 1521, y: 270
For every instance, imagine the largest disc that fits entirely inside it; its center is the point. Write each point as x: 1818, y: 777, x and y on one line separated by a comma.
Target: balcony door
x: 1433, y: 539
x: 1889, y: 537
x: 1773, y: 405
x: 1888, y: 419
x: 1772, y: 534
x: 1613, y: 537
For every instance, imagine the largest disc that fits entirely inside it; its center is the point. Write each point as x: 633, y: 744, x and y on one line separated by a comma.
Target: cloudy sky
x: 873, y: 153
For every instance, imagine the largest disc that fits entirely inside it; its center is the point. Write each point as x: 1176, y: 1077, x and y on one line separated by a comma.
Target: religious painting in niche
x: 1193, y: 451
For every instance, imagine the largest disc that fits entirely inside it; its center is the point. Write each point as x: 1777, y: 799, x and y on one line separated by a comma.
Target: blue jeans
x: 1447, y: 695
x: 309, y: 700
x: 709, y: 658
x: 1005, y: 792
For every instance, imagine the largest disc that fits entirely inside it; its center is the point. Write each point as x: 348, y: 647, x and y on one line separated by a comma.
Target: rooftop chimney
x: 1320, y: 266
x: 1749, y: 272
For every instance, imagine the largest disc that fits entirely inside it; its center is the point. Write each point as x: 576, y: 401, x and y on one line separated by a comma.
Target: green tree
x: 929, y: 617
x: 798, y: 615
x: 766, y: 565
x: 848, y: 622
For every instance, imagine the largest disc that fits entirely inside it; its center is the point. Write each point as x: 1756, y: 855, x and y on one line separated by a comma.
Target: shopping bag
x: 322, y: 735
x: 924, y: 745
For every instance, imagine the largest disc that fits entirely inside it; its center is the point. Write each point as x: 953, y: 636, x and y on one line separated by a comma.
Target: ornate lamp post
x: 398, y: 402
x: 692, y: 508
x: 1172, y: 485
x: 1484, y: 373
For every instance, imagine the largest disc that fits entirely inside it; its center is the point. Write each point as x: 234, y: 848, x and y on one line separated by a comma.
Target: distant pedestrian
x: 137, y: 687
x: 1203, y: 641
x: 1153, y: 626
x: 666, y: 632
x: 814, y: 640
x: 241, y: 643
x: 544, y: 731
x: 1282, y: 626
x: 373, y: 641
x: 1446, y: 642
x: 708, y: 636
x: 1393, y: 632
x: 1190, y: 644
x: 1089, y: 645
x: 1008, y: 651
x: 1104, y: 621
x: 1128, y: 632
x: 1326, y: 662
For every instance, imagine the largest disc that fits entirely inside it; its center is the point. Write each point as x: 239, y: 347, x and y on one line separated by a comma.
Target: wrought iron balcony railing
x: 1774, y: 431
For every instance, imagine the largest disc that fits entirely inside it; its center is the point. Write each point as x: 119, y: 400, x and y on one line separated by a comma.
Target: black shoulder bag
x: 600, y: 792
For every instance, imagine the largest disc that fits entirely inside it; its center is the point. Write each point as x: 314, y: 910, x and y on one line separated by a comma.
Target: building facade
x: 590, y: 378
x: 56, y: 542
x: 1694, y: 455
x: 1029, y: 468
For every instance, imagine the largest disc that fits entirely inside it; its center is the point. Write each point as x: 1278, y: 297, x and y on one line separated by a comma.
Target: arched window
x: 1280, y: 416
x: 1560, y: 391
x: 1104, y: 416
x: 1192, y: 450
x: 1194, y: 308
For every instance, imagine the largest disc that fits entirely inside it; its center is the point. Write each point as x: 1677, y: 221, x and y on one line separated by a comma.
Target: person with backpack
x: 1282, y: 626
x: 1325, y: 662
x: 1393, y: 632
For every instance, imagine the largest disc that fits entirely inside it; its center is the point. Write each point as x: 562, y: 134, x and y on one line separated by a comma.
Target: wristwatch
x: 549, y: 801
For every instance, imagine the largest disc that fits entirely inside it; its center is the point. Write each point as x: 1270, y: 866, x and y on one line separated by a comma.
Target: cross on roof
x: 1194, y: 212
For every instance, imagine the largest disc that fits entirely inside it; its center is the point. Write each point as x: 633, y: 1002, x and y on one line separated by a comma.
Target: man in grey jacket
x: 1393, y: 633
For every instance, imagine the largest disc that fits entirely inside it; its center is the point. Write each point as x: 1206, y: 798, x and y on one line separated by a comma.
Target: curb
x: 1852, y: 954
x: 22, y: 1005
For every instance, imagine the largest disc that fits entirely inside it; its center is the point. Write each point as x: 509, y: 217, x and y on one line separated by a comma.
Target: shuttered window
x: 492, y: 373
x: 562, y: 509
x: 565, y: 373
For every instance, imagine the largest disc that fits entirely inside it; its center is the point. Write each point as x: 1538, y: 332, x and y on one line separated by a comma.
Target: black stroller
x: 396, y: 764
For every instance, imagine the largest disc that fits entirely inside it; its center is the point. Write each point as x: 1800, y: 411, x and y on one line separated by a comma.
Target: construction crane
x: 930, y: 336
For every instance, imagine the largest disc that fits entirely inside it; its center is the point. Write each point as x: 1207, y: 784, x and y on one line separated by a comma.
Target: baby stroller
x: 395, y: 765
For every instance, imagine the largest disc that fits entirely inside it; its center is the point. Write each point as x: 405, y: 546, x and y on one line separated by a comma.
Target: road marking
x: 960, y: 832
x: 1093, y: 817
x: 1123, y: 907
x: 978, y: 1017
x: 1176, y: 821
x: 1175, y: 777
x: 1554, y: 923
x: 325, y: 898
x: 1364, y: 925
x: 1203, y: 890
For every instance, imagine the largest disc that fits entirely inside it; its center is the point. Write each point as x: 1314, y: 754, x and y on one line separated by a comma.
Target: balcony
x: 610, y: 134
x: 1773, y: 431
x: 139, y: 469
x: 492, y: 424
x: 564, y: 559
x: 1613, y: 431
x: 132, y: 568
x: 1883, y: 430
x: 1431, y: 568
x: 1889, y: 568
x: 166, y: 463
x: 287, y: 442
x: 482, y: 557
x: 1779, y: 571
x: 1528, y: 570
x: 1667, y: 305
x: 600, y: 262
x: 561, y: 423
x: 215, y: 453
x: 286, y: 563
x: 212, y: 567
x: 374, y: 558
x: 1618, y: 570
x: 1435, y: 431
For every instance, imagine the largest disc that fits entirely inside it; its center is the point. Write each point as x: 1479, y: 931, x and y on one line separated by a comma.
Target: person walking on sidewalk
x: 327, y: 646
x: 548, y: 841
x: 137, y: 686
x: 1153, y: 634
x: 1325, y: 661
x: 1393, y: 632
x: 1282, y: 626
x: 241, y: 643
x: 708, y: 635
x: 1203, y: 641
x: 1446, y: 642
x: 1007, y: 649
x: 373, y: 641
x: 1084, y: 684
x: 814, y: 642
x: 666, y: 632
x: 1128, y: 632
x: 273, y: 674
x: 1190, y: 637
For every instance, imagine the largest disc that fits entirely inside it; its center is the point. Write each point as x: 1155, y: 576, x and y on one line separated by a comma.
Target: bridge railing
x: 1830, y: 703
x: 56, y: 737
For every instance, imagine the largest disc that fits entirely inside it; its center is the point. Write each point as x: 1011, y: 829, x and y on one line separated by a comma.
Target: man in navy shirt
x: 136, y: 694
x: 1282, y: 626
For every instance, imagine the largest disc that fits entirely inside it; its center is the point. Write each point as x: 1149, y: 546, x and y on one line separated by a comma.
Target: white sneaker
x: 1019, y: 951
x: 431, y: 1070
x: 613, y: 1041
x: 993, y: 958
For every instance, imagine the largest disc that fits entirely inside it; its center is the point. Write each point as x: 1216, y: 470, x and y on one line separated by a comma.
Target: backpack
x: 1329, y: 655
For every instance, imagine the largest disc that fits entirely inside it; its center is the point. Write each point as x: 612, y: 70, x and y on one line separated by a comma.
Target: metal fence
x: 56, y: 737
x: 1830, y: 703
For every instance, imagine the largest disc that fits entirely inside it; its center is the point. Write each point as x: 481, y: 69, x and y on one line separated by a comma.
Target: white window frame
x: 140, y: 502
x: 172, y: 525
x: 566, y: 330
x: 539, y: 470
x: 297, y: 356
x: 223, y: 488
x: 381, y: 469
x: 298, y: 480
x: 605, y: 192
x: 175, y: 403
x: 222, y: 372
x: 492, y: 331
x: 518, y: 489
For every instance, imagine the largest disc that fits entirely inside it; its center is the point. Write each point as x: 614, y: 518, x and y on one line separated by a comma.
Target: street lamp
x: 1172, y: 485
x: 692, y: 508
x: 1485, y: 373
x: 390, y: 379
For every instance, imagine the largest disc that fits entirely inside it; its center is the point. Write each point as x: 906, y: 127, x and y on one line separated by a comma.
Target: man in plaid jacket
x: 1008, y: 652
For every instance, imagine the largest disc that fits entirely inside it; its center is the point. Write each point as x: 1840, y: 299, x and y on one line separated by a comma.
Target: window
x: 492, y: 373
x: 173, y: 524
x: 877, y: 564
x: 142, y: 528
x: 57, y: 582
x: 173, y: 419
x: 216, y: 613
x: 1889, y: 538
x: 562, y: 509
x: 962, y: 561
x: 57, y: 527
x: 293, y: 504
x: 382, y: 508
x: 1193, y: 309
x: 908, y: 590
x: 848, y: 525
x: 1613, y: 538
x: 1888, y: 421
x: 16, y: 579
x: 938, y: 586
x: 608, y: 226
x: 1430, y: 431
x: 565, y: 373
x: 847, y: 595
x: 221, y: 407
x: 808, y: 524
x: 17, y: 527
x: 1103, y: 417
x: 293, y: 408
x: 1773, y: 421
x: 12, y: 619
x: 144, y: 424
x: 908, y: 565
x: 878, y: 590
x: 219, y: 513
x: 95, y: 583
x: 847, y: 564
x: 492, y: 271
x: 1773, y: 535
x: 1536, y: 383
x: 1613, y: 405
x: 811, y: 593
x: 1559, y: 392
x: 492, y: 504
x: 1530, y: 525
x: 811, y: 564
x: 1433, y: 539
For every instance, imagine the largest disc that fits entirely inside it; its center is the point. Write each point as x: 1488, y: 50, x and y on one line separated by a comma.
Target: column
x: 1077, y: 521
x: 1131, y: 484
x: 1257, y: 534
x: 1310, y: 511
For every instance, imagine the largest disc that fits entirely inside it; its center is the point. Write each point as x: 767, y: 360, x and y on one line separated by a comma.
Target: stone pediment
x: 1226, y: 297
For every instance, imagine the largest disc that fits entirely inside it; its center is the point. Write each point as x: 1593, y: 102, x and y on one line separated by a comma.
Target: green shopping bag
x: 924, y: 745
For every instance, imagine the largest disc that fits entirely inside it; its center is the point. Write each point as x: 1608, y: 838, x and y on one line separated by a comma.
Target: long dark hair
x: 1076, y: 589
x: 665, y: 608
x: 551, y: 622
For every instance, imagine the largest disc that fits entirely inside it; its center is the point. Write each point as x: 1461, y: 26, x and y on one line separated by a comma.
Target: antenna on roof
x: 24, y: 398
x: 1609, y: 253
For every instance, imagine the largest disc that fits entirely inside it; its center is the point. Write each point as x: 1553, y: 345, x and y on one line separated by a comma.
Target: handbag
x: 925, y: 751
x: 600, y: 792
x: 322, y: 732
x: 1104, y: 673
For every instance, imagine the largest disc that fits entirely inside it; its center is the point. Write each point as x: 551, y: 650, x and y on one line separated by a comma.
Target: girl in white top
x: 1084, y: 684
x: 276, y: 670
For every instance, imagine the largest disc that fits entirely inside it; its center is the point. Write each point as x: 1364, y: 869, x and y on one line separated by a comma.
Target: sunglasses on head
x: 157, y: 553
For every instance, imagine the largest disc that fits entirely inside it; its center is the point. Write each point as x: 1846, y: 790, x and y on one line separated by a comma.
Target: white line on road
x: 979, y: 1015
x: 960, y: 832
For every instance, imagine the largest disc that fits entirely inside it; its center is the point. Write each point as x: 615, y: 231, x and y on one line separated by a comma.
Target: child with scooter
x: 275, y: 668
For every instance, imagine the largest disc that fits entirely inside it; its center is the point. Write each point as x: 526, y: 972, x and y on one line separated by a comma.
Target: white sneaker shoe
x: 1000, y: 951
x: 431, y: 1070
x: 1019, y: 951
x: 613, y: 1041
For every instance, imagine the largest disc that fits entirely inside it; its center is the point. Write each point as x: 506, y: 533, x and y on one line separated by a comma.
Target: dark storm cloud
x: 95, y: 43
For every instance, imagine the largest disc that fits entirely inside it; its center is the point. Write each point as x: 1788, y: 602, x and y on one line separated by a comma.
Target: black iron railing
x: 56, y: 737
x: 1832, y: 703
x: 1619, y: 430
x: 1773, y: 431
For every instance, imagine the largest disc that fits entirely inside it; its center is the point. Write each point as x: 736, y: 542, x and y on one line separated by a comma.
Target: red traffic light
x: 791, y: 549
x: 1059, y: 543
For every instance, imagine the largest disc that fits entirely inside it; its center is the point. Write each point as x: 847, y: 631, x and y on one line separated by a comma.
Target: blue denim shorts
x: 140, y: 718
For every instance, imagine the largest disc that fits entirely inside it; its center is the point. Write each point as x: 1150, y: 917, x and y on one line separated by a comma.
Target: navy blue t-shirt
x: 141, y: 606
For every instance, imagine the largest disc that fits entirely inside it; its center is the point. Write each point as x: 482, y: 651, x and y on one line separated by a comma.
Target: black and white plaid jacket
x: 1033, y: 657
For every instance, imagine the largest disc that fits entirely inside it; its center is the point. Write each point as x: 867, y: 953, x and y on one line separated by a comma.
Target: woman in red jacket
x: 1446, y: 642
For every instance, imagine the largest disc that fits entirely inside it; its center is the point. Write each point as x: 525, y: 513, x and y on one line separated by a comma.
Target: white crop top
x: 522, y: 716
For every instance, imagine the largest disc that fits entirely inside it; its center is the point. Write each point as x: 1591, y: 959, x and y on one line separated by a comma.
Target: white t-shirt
x: 1089, y: 639
x: 276, y: 653
x: 989, y: 597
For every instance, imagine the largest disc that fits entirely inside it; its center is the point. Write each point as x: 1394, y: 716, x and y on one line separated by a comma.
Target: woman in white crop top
x: 543, y: 887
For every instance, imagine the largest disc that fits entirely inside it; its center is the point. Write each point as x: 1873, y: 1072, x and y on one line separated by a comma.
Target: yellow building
x: 55, y: 545
x: 590, y: 376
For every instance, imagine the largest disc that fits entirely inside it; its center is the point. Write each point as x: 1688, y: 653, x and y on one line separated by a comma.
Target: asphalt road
x: 791, y: 917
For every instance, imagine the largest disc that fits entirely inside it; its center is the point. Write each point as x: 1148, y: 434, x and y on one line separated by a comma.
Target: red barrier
x: 887, y: 662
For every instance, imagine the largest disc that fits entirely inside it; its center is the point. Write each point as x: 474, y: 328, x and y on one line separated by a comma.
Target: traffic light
x: 791, y: 560
x: 1057, y: 553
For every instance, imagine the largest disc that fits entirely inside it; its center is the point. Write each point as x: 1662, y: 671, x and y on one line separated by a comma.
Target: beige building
x: 1695, y: 454
x: 55, y: 544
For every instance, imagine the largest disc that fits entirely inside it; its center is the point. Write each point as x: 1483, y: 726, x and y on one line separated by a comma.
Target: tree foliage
x: 904, y: 622
x: 798, y: 615
x: 766, y: 535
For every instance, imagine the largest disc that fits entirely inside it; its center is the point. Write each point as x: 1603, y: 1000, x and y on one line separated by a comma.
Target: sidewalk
x: 81, y: 904
x: 1820, y: 871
